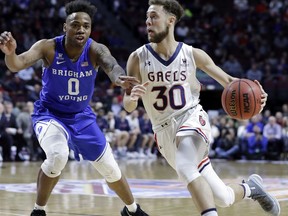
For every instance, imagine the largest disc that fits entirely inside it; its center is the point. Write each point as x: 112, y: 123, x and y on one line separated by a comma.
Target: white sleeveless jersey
x: 173, y: 87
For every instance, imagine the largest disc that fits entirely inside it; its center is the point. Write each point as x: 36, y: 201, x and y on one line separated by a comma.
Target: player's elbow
x: 128, y: 108
x: 128, y: 104
x: 13, y: 69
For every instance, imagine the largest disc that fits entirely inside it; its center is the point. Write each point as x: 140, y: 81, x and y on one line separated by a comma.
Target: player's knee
x: 187, y: 172
x: 111, y: 172
x: 108, y: 167
x: 55, y: 162
x: 226, y: 198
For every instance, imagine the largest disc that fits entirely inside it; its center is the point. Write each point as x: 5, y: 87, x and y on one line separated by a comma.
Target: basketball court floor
x: 82, y: 192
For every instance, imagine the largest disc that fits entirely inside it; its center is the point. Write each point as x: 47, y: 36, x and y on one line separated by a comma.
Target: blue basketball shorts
x: 83, y: 134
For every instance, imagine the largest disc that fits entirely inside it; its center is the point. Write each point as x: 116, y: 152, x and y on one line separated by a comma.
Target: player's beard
x: 158, y: 37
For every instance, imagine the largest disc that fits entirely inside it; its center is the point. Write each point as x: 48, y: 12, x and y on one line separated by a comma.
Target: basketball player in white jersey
x: 63, y: 118
x: 170, y: 94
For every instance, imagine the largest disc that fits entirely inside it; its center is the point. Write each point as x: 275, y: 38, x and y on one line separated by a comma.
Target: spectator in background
x: 116, y: 6
x: 116, y: 106
x: 275, y: 7
x: 101, y: 120
x: 241, y: 5
x: 122, y: 129
x: 4, y: 145
x: 24, y: 122
x: 255, y: 120
x: 8, y: 130
x: 266, y: 115
x: 285, y: 110
x: 228, y: 145
x: 242, y: 129
x: 279, y: 118
x: 4, y: 96
x: 282, y: 67
x: 134, y: 132
x: 26, y: 74
x: 215, y: 132
x: 108, y: 99
x: 256, y: 144
x: 233, y: 67
x: 34, y: 92
x: 147, y: 137
x: 114, y: 40
x: 181, y: 30
x: 273, y: 131
x: 280, y: 41
x: 110, y: 132
x: 284, y: 155
x: 254, y: 73
x: 16, y: 88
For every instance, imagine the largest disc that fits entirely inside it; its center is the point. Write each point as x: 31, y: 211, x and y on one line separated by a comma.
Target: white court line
x: 7, y: 213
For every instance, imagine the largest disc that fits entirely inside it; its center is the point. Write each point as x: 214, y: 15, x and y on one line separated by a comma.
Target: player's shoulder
x: 45, y: 44
x: 97, y: 46
x: 133, y: 57
x: 140, y: 51
x: 98, y: 49
x: 134, y: 54
x: 187, y: 46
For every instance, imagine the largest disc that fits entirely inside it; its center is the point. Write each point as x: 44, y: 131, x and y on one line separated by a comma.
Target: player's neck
x: 166, y: 48
x: 73, y: 53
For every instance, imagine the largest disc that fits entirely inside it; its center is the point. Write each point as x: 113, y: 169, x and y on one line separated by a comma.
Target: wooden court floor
x: 82, y: 191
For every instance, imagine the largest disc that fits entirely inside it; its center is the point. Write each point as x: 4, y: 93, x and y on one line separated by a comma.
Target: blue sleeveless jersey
x: 68, y: 86
x: 65, y: 96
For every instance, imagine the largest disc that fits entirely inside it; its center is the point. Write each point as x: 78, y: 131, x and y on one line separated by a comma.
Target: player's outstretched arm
x: 205, y: 63
x: 133, y: 94
x: 111, y: 67
x: 16, y: 62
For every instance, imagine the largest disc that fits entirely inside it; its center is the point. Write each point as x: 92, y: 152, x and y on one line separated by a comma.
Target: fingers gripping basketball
x: 241, y: 99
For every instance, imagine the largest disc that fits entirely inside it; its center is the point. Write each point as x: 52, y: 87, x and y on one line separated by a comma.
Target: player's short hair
x: 171, y: 6
x: 80, y: 6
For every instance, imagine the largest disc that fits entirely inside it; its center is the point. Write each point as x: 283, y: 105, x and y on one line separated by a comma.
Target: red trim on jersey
x: 155, y: 137
x: 198, y: 130
x: 203, y: 161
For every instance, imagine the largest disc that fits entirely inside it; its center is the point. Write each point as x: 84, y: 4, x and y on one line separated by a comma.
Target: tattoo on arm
x: 109, y: 64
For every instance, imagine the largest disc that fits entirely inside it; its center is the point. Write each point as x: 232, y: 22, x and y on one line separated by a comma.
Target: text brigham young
x: 70, y: 73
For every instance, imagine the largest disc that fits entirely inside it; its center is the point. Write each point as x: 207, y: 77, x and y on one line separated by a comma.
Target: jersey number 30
x: 174, y: 96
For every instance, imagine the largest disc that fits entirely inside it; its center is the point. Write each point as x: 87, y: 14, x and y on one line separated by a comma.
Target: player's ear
x: 172, y: 20
x: 64, y: 27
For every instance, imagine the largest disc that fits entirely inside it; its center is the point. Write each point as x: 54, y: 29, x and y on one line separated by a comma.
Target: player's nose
x: 81, y: 29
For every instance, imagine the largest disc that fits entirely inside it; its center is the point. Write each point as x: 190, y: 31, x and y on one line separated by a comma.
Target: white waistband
x: 166, y: 123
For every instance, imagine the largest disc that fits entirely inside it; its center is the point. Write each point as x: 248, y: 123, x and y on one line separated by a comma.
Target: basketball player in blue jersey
x: 170, y: 92
x: 63, y: 118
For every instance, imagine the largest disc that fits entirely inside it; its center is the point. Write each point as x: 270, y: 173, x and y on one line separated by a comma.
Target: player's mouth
x: 149, y: 31
x: 80, y: 39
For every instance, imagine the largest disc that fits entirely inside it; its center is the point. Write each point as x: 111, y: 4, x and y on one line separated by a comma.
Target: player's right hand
x: 8, y: 44
x: 138, y: 91
x: 264, y: 96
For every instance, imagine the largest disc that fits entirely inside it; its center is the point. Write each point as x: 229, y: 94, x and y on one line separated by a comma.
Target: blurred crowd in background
x: 247, y: 39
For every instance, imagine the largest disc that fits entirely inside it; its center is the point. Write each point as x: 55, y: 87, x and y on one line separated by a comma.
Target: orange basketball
x: 241, y: 99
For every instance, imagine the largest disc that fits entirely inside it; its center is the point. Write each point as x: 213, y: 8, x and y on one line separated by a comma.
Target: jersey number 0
x: 73, y: 86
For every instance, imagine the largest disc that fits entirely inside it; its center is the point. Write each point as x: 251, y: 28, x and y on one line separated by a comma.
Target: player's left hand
x: 127, y: 82
x: 138, y: 91
x: 264, y: 96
